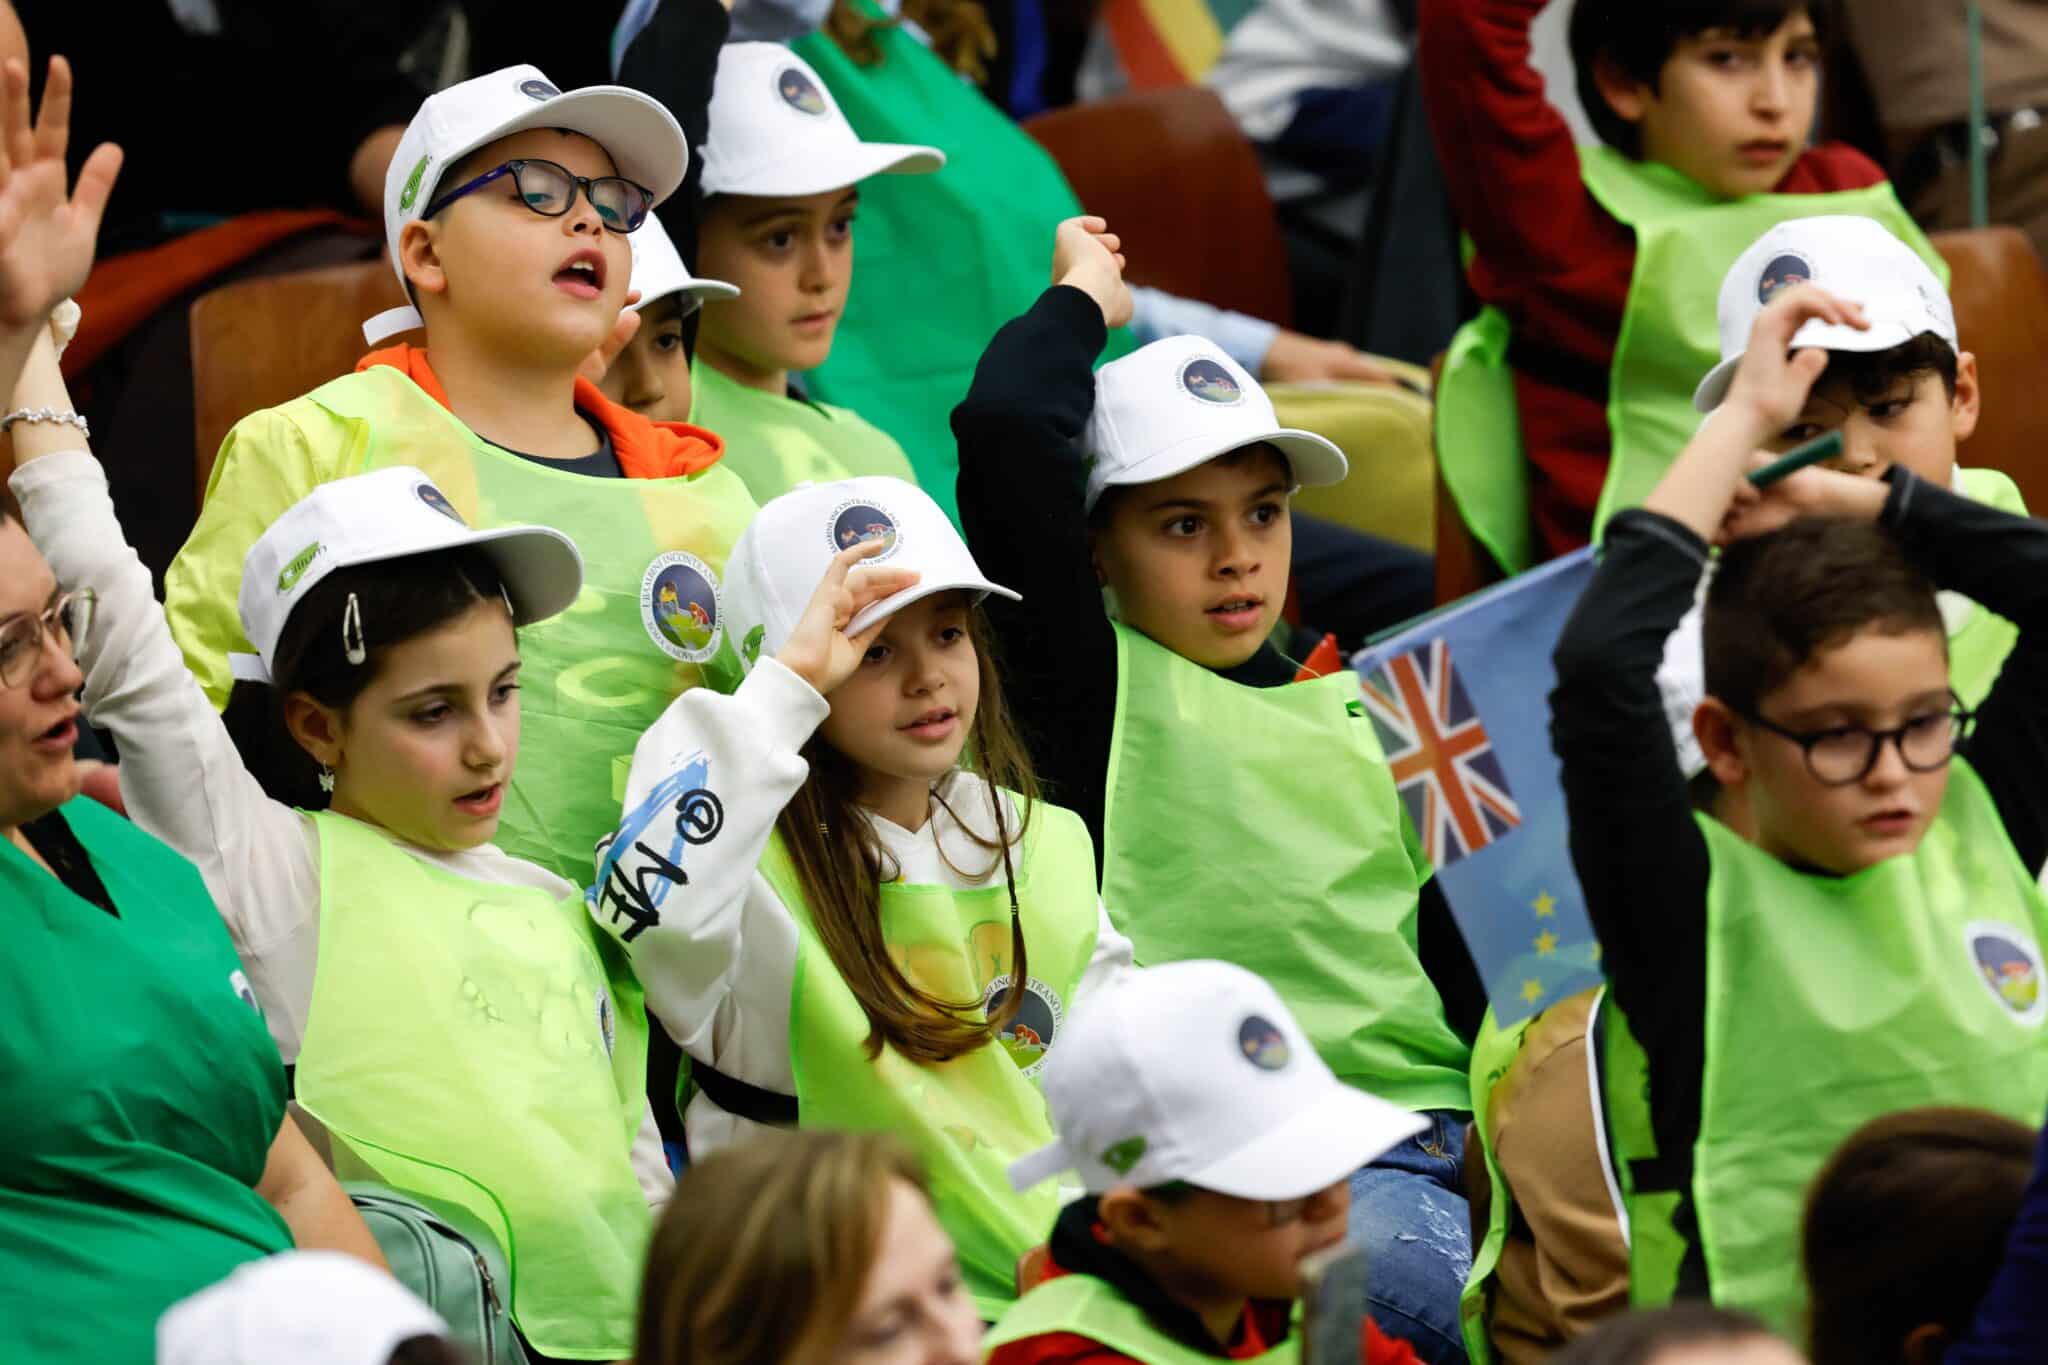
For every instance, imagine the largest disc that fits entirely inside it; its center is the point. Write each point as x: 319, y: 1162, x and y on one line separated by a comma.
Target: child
x: 505, y: 212
x: 1182, y: 737
x: 1216, y: 1152
x: 1873, y: 942
x: 782, y: 177
x: 826, y: 903
x: 651, y: 373
x: 1598, y: 264
x: 1686, y: 1333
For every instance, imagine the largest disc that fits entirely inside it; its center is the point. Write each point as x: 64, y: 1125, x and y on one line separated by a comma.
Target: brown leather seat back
x: 2000, y: 292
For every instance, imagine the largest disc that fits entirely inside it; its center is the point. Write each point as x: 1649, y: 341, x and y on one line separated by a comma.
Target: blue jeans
x: 1408, y: 1211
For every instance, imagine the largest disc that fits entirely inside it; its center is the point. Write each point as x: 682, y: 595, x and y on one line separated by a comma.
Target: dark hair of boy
x: 1906, y: 1227
x: 1639, y: 1338
x: 1871, y: 375
x: 1640, y: 37
x: 1779, y: 599
x: 428, y: 1351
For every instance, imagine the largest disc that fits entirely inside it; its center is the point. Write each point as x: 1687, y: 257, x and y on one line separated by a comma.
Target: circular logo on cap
x: 538, y: 90
x: 1207, y: 380
x: 1781, y: 274
x: 411, y: 191
x: 1263, y: 1044
x: 799, y: 91
x: 436, y: 499
x: 679, y: 606
x: 854, y: 522
x: 2010, y: 965
x: 1030, y: 1034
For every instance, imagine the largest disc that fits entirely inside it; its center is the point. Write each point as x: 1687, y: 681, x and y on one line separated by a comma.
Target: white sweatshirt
x: 184, y: 782
x: 719, y: 964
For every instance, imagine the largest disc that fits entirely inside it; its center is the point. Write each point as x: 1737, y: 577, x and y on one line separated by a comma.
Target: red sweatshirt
x: 1549, y: 256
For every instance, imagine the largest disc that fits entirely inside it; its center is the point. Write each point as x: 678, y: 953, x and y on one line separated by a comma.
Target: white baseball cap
x: 658, y: 270
x: 778, y: 560
x: 307, y: 1307
x: 1852, y: 258
x: 1167, y: 407
x: 776, y: 130
x: 389, y: 514
x: 1194, y: 1071
x: 642, y: 138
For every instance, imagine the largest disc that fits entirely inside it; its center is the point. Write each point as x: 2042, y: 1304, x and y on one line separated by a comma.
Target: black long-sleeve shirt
x: 1641, y: 858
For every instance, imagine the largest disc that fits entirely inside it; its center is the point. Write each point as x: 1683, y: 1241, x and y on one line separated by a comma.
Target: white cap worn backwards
x: 640, y: 135
x: 777, y: 561
x: 658, y: 270
x: 389, y: 514
x: 776, y: 131
x: 1853, y: 258
x: 1194, y: 1071
x: 308, y: 1307
x: 1167, y: 407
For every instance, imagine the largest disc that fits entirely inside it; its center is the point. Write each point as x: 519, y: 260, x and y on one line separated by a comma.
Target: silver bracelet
x: 69, y: 419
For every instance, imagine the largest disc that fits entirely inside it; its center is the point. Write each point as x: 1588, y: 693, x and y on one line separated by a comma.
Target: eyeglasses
x: 550, y: 191
x: 1845, y: 754
x: 21, y: 637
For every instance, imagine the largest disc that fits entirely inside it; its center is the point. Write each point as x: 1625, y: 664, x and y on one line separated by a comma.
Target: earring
x: 326, y: 779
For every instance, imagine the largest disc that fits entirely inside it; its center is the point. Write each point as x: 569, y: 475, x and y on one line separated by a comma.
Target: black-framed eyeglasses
x: 66, y: 620
x: 550, y: 191
x: 1845, y: 754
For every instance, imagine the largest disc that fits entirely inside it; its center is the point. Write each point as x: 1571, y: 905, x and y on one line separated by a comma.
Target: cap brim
x: 1033, y: 1169
x: 699, y: 292
x: 844, y: 167
x: 639, y: 134
x: 920, y: 590
x: 1826, y: 336
x: 1313, y: 1150
x: 542, y: 568
x: 1313, y: 461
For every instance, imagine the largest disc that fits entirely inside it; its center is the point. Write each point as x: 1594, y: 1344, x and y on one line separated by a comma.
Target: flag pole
x: 1980, y: 169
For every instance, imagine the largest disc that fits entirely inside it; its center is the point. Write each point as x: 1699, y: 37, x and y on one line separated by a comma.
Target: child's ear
x: 316, y: 728
x: 1713, y: 725
x: 419, y: 256
x: 1967, y: 405
x: 1095, y: 559
x: 1628, y: 97
x: 1132, y: 1219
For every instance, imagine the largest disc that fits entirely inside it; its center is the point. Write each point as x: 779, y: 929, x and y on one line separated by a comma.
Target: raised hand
x: 46, y: 237
x: 1811, y: 492
x: 599, y: 361
x: 1088, y: 256
x: 818, y: 649
x: 1772, y: 382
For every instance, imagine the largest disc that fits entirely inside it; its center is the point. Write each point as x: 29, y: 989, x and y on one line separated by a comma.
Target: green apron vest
x: 1685, y: 241
x: 942, y: 261
x: 141, y: 1093
x: 1260, y: 826
x: 969, y: 1118
x: 774, y: 442
x: 602, y: 672
x: 1978, y: 639
x: 1092, y: 1308
x: 526, y: 1113
x: 1914, y: 982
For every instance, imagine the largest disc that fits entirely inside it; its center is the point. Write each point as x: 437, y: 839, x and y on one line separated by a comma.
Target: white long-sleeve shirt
x: 183, y: 780
x: 718, y: 954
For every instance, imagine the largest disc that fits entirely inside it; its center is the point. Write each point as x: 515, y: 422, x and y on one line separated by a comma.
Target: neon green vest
x: 1914, y: 982
x: 1260, y: 826
x: 1685, y: 242
x: 942, y: 260
x: 1091, y: 1308
x: 599, y: 674
x: 486, y: 1045
x: 1978, y: 639
x: 775, y: 442
x: 969, y: 1118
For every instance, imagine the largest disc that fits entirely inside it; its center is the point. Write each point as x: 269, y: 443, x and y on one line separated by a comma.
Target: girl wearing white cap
x: 826, y: 898
x: 781, y: 179
x: 456, y: 1022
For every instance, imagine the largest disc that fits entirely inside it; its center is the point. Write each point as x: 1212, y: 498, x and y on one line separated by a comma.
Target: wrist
x: 1089, y: 282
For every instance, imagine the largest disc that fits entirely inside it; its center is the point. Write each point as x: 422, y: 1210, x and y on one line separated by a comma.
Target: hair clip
x: 352, y: 632
x: 510, y: 610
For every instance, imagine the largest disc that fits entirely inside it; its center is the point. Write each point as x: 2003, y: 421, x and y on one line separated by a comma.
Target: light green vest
x: 486, y: 1045
x: 1260, y: 826
x: 774, y: 442
x: 1979, y: 639
x: 969, y: 1118
x: 941, y: 261
x: 1685, y: 242
x: 1914, y: 982
x: 1092, y: 1308
x: 649, y: 622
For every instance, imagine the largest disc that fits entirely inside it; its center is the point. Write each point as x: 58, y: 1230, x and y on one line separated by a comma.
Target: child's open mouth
x: 936, y: 724
x: 483, y: 802
x: 1238, y: 613
x: 582, y: 274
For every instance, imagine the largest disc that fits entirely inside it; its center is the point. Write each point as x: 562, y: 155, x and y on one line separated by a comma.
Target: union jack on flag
x: 1444, y: 765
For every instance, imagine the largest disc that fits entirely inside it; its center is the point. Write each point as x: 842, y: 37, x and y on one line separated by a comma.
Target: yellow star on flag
x: 1532, y: 990
x: 1546, y: 943
x: 1545, y: 905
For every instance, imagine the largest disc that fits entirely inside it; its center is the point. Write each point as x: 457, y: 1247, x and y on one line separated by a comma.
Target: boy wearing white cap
x: 781, y: 180
x: 1242, y: 814
x: 838, y: 877
x: 651, y: 373
x: 1215, y: 1150
x: 507, y: 209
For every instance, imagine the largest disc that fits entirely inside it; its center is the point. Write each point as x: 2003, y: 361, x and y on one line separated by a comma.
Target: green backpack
x: 444, y: 1255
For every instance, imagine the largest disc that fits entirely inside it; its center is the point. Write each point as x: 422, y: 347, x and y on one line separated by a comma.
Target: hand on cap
x: 1812, y: 492
x: 598, y: 362
x: 46, y: 238
x: 819, y: 650
x: 1772, y: 382
x: 1295, y: 359
x: 1088, y: 256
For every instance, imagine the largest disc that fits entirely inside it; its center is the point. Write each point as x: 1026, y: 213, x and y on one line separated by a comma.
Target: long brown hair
x: 765, y: 1248
x: 841, y: 865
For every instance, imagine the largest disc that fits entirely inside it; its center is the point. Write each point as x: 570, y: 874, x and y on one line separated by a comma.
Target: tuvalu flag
x: 1460, y: 701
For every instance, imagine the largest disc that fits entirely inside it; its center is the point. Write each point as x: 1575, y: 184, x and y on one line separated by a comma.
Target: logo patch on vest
x: 855, y: 522
x: 800, y: 92
x: 1030, y: 1034
x: 1781, y: 274
x: 244, y: 991
x: 538, y: 90
x: 436, y: 499
x: 679, y: 606
x: 1207, y: 380
x: 607, y: 1025
x: 1263, y: 1044
x: 2010, y: 966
